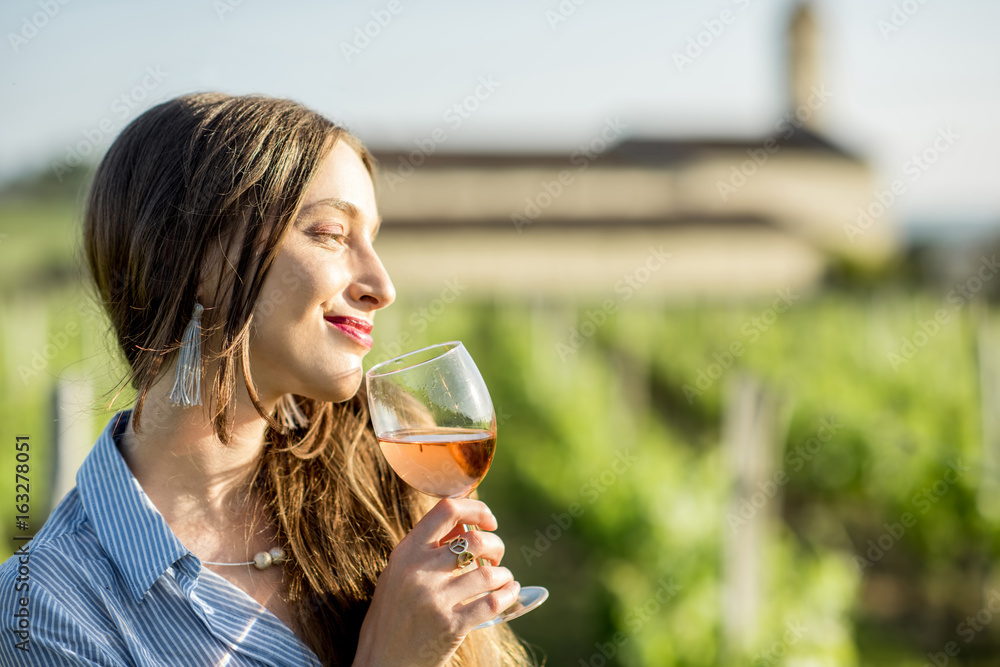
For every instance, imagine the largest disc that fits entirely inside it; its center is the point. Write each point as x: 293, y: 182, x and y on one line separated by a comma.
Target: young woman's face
x: 312, y: 322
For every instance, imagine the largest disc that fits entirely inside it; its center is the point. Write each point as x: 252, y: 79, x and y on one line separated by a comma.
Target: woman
x: 240, y: 514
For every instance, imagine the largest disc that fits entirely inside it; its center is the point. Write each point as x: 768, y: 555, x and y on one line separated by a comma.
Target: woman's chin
x: 342, y: 388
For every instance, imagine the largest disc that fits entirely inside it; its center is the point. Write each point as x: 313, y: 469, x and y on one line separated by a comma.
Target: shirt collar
x: 129, y: 527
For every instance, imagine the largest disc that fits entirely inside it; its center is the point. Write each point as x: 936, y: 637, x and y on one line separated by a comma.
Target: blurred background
x: 728, y: 268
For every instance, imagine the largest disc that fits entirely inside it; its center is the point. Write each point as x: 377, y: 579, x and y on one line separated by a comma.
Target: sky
x: 545, y: 75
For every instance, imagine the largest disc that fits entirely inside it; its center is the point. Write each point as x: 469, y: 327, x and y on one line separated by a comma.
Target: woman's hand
x: 421, y: 610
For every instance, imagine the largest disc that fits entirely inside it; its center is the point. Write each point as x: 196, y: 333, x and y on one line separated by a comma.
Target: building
x: 737, y: 216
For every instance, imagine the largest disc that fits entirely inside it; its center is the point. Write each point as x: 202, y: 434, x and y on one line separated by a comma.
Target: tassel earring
x: 290, y: 414
x: 187, y: 376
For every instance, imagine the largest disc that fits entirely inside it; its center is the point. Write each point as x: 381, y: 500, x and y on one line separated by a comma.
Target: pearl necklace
x: 262, y: 560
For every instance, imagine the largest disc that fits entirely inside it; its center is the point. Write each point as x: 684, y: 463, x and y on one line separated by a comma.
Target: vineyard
x: 612, y: 482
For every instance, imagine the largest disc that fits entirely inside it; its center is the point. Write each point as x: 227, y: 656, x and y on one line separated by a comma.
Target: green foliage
x: 895, y: 427
x: 613, y: 490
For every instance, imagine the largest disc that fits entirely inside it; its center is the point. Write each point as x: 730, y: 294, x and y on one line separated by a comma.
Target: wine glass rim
x: 374, y: 371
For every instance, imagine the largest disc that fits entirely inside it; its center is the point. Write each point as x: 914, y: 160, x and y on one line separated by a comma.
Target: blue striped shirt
x: 108, y: 583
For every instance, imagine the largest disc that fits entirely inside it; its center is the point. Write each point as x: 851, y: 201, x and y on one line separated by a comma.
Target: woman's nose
x: 373, y: 285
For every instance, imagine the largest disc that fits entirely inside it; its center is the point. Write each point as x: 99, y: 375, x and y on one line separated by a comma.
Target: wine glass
x: 435, y: 424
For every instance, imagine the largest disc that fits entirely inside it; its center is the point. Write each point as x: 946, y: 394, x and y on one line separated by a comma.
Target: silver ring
x: 460, y: 547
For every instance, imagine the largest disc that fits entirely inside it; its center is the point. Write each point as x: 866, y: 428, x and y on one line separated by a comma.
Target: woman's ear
x: 211, y: 282
x: 208, y: 284
x: 218, y: 267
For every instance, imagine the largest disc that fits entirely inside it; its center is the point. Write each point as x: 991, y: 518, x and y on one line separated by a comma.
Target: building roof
x: 637, y: 151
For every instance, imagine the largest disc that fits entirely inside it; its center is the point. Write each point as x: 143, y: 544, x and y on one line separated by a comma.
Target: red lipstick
x: 356, y: 329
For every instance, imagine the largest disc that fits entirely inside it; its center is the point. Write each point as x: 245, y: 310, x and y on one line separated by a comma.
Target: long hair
x: 205, y: 176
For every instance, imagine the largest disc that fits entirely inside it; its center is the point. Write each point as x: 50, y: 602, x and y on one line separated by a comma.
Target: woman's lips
x: 357, y: 330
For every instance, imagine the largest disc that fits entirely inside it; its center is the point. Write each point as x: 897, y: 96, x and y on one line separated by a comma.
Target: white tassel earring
x: 187, y: 375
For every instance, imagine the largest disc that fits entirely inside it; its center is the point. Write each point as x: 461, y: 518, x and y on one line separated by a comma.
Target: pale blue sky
x: 891, y: 94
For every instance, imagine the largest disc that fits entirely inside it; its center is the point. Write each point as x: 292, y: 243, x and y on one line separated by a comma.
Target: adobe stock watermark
x: 31, y: 25
x: 704, y: 39
x: 581, y: 159
x: 635, y: 619
x: 122, y: 107
x: 752, y: 330
x: 775, y: 653
x: 626, y: 287
x: 40, y: 358
x: 562, y: 12
x: 421, y: 319
x: 85, y: 312
x: 291, y: 280
x: 923, y: 502
x: 914, y: 167
x: 223, y: 7
x: 154, y: 416
x: 900, y: 16
x: 363, y: 35
x: 741, y: 174
x: 590, y: 491
x: 455, y: 115
x: 958, y: 296
x: 967, y: 631
x: 795, y: 460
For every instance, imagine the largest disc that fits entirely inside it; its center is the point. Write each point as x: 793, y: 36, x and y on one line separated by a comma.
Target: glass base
x: 529, y: 598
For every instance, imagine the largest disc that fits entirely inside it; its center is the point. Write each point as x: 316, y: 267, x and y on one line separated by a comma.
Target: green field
x: 611, y: 482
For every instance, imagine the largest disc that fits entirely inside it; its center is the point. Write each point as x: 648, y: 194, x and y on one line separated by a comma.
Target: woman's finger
x: 458, y: 530
x: 476, y: 582
x: 481, y: 544
x: 442, y: 519
x: 485, y: 607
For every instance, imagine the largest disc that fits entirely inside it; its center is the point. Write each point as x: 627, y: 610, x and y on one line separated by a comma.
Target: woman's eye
x: 334, y: 235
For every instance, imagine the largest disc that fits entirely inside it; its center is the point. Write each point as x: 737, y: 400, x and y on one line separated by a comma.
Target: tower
x: 802, y: 60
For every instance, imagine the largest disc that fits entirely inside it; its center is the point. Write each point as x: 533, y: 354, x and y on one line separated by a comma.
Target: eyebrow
x: 347, y: 207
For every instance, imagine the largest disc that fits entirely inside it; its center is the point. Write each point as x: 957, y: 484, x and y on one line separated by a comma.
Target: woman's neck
x: 199, y: 484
